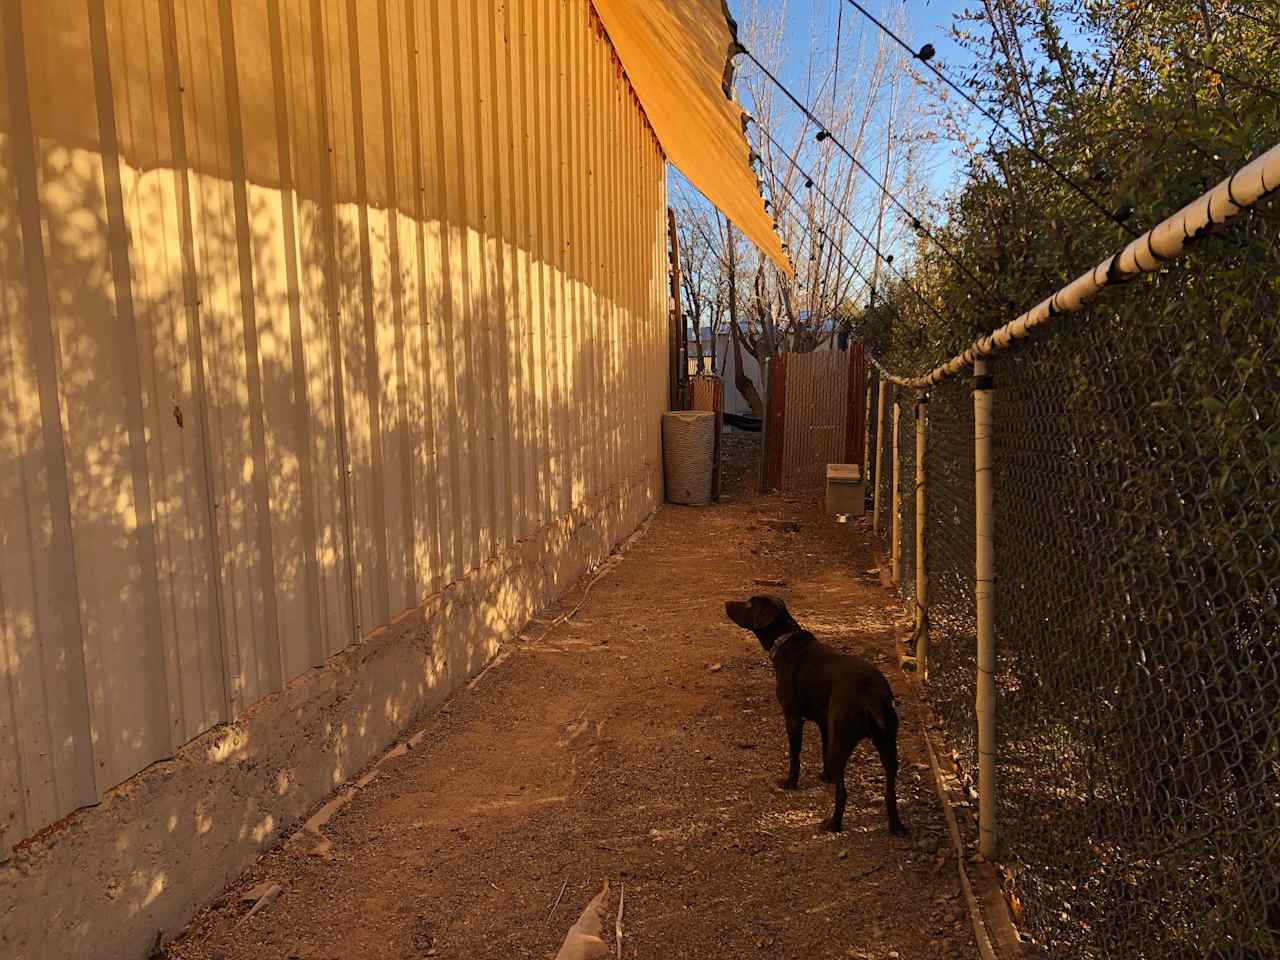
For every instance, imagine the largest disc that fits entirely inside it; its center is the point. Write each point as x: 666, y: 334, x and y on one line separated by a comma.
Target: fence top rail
x: 1164, y: 242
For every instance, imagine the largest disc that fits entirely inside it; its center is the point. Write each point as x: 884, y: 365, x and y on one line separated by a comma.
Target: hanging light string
x: 887, y: 260
x: 925, y: 54
x: 916, y: 222
x: 806, y: 232
x: 811, y: 183
x: 843, y: 256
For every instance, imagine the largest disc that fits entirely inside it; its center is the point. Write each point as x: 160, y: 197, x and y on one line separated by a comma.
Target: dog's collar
x: 778, y: 644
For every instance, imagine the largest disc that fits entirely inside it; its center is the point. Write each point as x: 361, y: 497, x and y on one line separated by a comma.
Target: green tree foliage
x: 1156, y: 101
x: 1138, y: 460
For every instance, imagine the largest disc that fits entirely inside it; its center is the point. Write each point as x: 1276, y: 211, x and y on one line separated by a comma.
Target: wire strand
x: 888, y: 261
x: 1089, y: 197
x: 916, y: 221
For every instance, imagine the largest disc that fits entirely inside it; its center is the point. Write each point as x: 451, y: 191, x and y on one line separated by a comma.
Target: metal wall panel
x: 817, y: 388
x: 308, y: 308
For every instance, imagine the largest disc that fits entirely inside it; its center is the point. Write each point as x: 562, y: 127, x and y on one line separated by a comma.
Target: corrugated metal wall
x: 307, y: 308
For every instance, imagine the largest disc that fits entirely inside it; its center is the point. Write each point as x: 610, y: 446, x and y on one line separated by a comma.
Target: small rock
x: 782, y: 526
x: 770, y: 582
x: 716, y: 667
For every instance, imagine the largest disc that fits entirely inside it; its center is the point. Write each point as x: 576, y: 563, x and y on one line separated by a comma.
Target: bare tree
x: 815, y: 193
x: 702, y: 276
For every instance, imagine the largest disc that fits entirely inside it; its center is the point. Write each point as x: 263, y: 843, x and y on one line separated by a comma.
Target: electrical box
x: 846, y: 491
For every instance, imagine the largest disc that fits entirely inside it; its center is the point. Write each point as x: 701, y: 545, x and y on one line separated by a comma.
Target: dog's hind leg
x: 835, y: 764
x: 826, y: 738
x: 795, y: 739
x: 886, y: 742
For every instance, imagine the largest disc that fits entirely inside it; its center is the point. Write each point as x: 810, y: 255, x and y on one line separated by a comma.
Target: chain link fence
x: 881, y: 477
x: 873, y: 438
x: 904, y: 479
x: 949, y: 535
x: 1137, y: 545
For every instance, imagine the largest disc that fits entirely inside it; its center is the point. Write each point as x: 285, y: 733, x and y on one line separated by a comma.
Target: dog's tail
x: 884, y: 717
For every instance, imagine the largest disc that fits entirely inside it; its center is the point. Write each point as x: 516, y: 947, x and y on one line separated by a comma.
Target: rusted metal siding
x: 814, y: 415
x: 817, y: 384
x: 308, y: 308
x: 775, y: 425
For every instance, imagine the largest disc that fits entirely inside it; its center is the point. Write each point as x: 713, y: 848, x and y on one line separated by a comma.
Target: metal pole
x: 866, y: 435
x: 679, y: 339
x: 922, y: 571
x: 766, y: 379
x: 875, y: 513
x: 895, y: 502
x: 984, y: 594
x: 1148, y: 253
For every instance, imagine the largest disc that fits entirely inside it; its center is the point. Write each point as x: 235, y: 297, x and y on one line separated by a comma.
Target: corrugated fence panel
x: 817, y: 407
x: 307, y: 309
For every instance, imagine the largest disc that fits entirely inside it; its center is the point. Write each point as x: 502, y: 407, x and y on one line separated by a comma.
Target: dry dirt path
x: 641, y: 742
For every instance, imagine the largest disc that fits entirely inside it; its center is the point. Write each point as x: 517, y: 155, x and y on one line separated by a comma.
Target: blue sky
x: 927, y: 21
x: 811, y: 23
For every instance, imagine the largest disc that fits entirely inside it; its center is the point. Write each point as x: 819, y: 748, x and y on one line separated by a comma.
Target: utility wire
x: 923, y: 56
x: 809, y: 180
x: 916, y: 222
x: 807, y: 231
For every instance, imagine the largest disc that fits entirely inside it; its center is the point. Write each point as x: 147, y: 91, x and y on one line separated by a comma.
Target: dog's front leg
x: 795, y: 738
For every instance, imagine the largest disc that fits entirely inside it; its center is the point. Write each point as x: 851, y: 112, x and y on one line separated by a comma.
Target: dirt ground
x: 639, y: 742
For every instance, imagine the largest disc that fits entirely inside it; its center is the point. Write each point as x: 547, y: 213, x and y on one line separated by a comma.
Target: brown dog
x: 847, y: 697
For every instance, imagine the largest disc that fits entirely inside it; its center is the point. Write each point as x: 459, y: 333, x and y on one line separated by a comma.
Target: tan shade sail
x: 675, y: 52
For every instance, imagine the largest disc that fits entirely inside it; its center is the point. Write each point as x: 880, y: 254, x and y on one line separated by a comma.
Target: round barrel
x: 688, y: 455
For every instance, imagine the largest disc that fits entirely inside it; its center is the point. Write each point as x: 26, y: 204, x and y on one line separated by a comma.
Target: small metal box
x: 846, y: 492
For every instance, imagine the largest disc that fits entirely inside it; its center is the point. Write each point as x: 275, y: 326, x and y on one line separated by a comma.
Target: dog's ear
x: 766, y: 611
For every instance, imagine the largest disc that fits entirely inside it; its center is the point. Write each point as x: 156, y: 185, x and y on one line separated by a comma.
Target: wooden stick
x: 617, y: 927
x: 557, y: 903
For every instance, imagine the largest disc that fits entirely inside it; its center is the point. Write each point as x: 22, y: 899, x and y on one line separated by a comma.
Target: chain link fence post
x: 985, y: 603
x: 885, y: 387
x: 895, y: 504
x: 922, y: 570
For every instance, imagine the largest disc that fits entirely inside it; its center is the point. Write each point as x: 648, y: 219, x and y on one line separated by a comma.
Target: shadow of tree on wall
x: 303, y: 431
